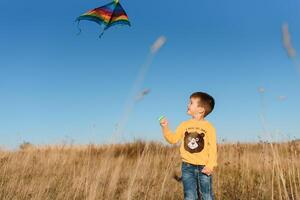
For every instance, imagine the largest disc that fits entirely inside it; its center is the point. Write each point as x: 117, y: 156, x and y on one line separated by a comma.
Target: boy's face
x: 194, y: 108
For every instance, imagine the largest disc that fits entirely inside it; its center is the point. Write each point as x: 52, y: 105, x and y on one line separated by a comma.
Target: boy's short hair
x: 206, y: 101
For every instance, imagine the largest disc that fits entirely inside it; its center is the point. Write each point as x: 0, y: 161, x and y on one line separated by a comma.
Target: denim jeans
x: 196, y: 184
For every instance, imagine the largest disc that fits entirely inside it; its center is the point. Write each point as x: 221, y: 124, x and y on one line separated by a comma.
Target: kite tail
x: 79, y: 29
x: 103, y: 27
x: 101, y: 34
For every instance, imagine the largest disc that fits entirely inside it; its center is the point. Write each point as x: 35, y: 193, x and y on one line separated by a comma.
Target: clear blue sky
x: 56, y: 85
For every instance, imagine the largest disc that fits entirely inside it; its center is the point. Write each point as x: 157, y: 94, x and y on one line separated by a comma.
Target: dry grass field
x: 145, y: 170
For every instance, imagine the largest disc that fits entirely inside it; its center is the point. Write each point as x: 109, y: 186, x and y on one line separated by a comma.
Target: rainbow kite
x: 106, y: 16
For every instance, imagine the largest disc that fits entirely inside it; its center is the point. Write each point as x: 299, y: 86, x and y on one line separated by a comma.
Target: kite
x: 282, y: 98
x: 106, y: 16
x: 142, y: 94
x: 287, y: 43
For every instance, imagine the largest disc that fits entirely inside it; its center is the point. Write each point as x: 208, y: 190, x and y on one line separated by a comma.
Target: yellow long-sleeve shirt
x: 198, y: 142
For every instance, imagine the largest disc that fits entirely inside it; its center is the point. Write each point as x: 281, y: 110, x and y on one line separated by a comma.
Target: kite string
x: 297, y: 65
x: 130, y: 103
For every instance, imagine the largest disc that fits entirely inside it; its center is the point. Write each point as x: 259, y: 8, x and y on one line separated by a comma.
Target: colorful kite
x: 106, y: 16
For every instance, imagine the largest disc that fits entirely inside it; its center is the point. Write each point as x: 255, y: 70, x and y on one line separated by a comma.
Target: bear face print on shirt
x: 194, y: 140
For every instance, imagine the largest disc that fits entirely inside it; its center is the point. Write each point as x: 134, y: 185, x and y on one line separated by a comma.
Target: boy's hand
x: 164, y: 122
x: 207, y: 171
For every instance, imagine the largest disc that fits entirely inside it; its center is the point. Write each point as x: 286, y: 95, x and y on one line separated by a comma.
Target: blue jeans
x: 196, y: 184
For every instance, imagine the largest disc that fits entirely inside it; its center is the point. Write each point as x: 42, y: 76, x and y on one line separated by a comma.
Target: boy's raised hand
x: 164, y: 122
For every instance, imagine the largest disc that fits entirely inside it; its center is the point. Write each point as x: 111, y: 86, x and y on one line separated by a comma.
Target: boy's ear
x: 201, y: 110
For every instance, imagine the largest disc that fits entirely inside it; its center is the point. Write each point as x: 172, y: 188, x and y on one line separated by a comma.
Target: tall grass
x: 145, y: 170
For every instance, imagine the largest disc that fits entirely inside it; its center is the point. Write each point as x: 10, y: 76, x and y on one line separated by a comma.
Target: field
x: 146, y: 170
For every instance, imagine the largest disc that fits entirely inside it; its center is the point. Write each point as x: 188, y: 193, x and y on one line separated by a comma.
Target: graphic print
x: 194, y: 141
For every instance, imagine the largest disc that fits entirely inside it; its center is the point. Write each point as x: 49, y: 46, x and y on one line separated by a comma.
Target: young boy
x: 198, y: 147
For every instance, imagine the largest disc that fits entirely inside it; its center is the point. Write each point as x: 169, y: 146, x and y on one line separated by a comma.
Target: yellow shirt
x: 198, y: 142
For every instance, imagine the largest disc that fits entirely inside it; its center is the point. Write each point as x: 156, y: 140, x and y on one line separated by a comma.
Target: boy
x: 198, y: 149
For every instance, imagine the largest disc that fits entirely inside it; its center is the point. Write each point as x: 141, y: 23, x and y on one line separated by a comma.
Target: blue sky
x: 56, y: 85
